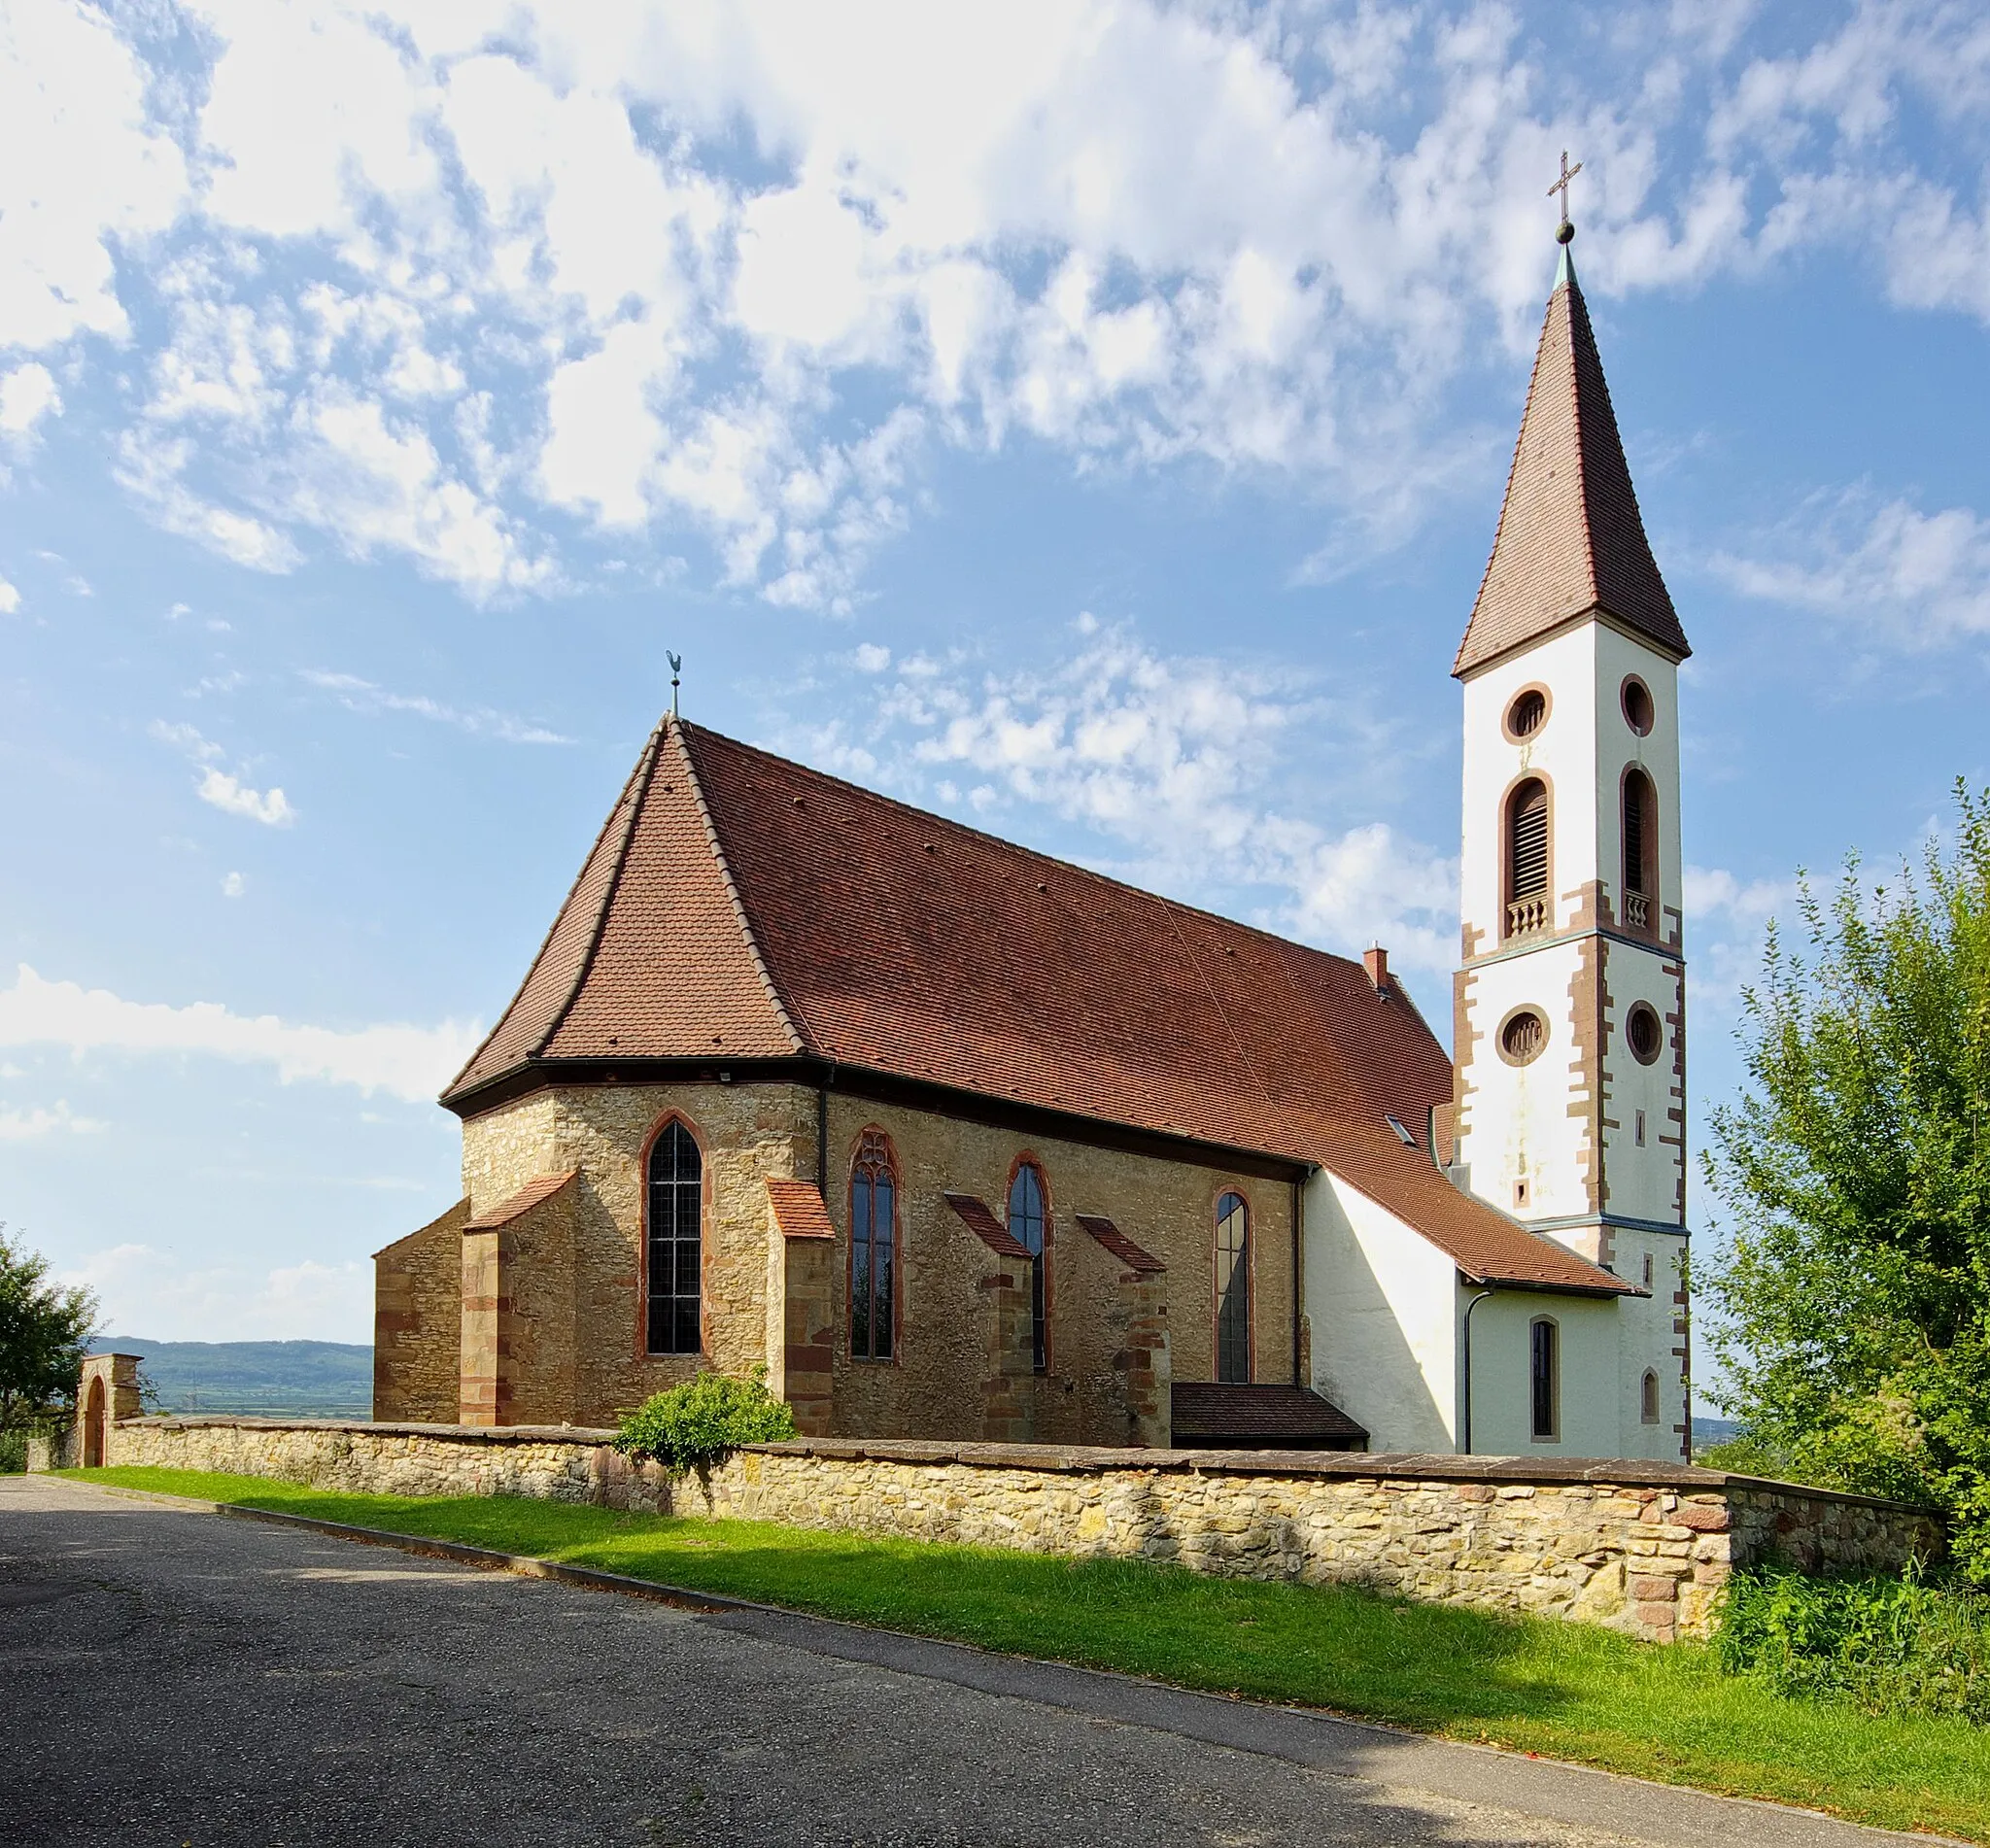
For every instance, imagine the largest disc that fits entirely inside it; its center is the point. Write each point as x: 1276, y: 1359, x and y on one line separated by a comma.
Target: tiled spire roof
x: 1571, y: 542
x: 741, y: 907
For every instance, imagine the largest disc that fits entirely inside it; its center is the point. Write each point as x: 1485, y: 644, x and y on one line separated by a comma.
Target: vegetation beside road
x: 1563, y: 1691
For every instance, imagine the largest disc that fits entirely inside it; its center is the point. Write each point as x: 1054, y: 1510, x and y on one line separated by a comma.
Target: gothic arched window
x: 874, y: 1248
x: 1027, y: 1224
x: 1640, y: 849
x: 1648, y: 1398
x: 676, y: 1199
x: 1544, y: 1379
x: 1233, y: 1289
x: 1527, y: 858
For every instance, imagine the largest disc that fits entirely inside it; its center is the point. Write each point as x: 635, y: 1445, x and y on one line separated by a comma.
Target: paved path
x: 169, y: 1677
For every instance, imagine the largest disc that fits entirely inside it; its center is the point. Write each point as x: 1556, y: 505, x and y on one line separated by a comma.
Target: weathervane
x: 676, y: 668
x: 1564, y: 232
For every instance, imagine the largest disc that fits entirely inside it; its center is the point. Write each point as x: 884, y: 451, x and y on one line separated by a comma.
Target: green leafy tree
x: 45, y: 1332
x: 1855, y: 1168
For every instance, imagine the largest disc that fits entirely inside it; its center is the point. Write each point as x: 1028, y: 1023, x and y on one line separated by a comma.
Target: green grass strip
x: 1565, y: 1691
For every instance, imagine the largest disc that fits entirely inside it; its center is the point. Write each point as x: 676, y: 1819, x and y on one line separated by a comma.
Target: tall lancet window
x: 1640, y: 849
x: 873, y: 1244
x: 1026, y: 1223
x: 1233, y: 1290
x: 676, y: 1202
x: 1527, y: 858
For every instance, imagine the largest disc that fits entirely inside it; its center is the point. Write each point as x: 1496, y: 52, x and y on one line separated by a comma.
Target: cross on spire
x: 1565, y: 230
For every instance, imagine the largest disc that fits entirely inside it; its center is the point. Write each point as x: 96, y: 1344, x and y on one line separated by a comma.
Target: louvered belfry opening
x: 1527, y: 858
x: 1640, y: 832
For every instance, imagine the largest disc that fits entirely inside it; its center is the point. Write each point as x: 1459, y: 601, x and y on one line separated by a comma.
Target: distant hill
x: 279, y: 1379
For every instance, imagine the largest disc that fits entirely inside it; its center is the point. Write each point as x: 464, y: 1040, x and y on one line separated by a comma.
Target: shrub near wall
x: 1644, y: 1548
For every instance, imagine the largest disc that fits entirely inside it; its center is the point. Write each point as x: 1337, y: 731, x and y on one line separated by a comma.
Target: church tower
x: 1569, y: 1006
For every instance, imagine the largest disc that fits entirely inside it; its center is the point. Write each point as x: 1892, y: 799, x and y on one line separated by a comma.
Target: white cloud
x: 363, y: 696
x: 1713, y: 893
x: 220, y: 788
x: 433, y: 294
x: 31, y: 1125
x: 1185, y: 762
x: 1917, y: 580
x: 10, y: 598
x: 84, y: 171
x: 406, y: 1061
x: 157, y: 1296
x: 871, y: 658
x: 28, y: 395
x: 234, y: 885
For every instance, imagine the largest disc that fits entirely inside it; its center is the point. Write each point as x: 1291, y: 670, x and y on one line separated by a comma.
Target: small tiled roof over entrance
x: 1571, y: 541
x: 741, y: 907
x: 1270, y: 1417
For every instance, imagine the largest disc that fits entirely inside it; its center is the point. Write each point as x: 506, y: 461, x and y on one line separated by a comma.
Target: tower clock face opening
x: 1638, y: 710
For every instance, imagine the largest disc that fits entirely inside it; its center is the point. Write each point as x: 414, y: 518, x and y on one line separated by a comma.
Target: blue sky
x: 1087, y: 420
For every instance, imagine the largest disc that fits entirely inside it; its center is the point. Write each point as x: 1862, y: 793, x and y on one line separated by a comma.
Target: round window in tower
x: 1638, y: 710
x: 1643, y: 1033
x: 1523, y: 1034
x: 1527, y: 714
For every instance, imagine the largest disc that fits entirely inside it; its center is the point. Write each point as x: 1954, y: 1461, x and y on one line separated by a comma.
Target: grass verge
x: 1564, y: 1691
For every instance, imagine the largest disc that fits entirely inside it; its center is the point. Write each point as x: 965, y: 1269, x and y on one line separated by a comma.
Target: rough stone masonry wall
x: 1643, y: 1548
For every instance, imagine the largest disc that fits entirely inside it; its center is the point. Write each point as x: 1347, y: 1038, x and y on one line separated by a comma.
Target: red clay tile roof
x: 740, y: 904
x: 539, y: 1188
x: 1118, y: 1244
x: 800, y: 1210
x: 985, y: 1226
x: 1570, y: 537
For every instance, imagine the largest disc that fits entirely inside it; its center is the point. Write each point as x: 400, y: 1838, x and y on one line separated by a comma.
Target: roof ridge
x: 1506, y: 495
x: 1579, y: 308
x: 1125, y: 886
x: 645, y: 769
x: 1243, y: 1057
x: 786, y: 1015
x: 559, y: 912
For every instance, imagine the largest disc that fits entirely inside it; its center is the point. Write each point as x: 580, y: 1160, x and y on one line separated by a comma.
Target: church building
x: 958, y: 1141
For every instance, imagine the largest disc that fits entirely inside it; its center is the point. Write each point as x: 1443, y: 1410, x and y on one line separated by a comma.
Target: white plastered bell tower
x: 1569, y: 1004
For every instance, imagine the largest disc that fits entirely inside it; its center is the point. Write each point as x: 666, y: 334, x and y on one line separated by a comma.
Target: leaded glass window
x: 1233, y: 1290
x: 874, y: 1250
x: 1026, y: 1222
x: 676, y: 1190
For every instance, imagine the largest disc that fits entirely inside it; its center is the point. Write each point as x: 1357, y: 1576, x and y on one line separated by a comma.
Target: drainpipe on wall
x: 1298, y: 1270
x: 1466, y: 1447
x: 822, y: 1133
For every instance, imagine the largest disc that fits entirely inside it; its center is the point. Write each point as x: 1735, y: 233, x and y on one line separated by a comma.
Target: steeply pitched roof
x: 739, y: 906
x: 1570, y: 538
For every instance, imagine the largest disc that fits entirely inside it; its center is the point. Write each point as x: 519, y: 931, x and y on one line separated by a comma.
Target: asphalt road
x: 177, y: 1678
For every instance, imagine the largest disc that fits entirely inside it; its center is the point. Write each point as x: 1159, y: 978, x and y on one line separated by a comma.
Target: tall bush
x: 698, y: 1424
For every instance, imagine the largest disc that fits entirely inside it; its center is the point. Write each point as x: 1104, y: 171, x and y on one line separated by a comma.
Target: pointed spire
x: 1571, y: 542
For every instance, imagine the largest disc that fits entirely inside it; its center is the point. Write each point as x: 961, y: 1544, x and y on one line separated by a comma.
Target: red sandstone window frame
x: 876, y: 1151
x: 643, y: 1351
x: 1230, y: 1192
x: 1647, y: 887
x: 1628, y: 695
x: 1540, y: 725
x: 1508, y: 814
x: 1044, y: 1267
